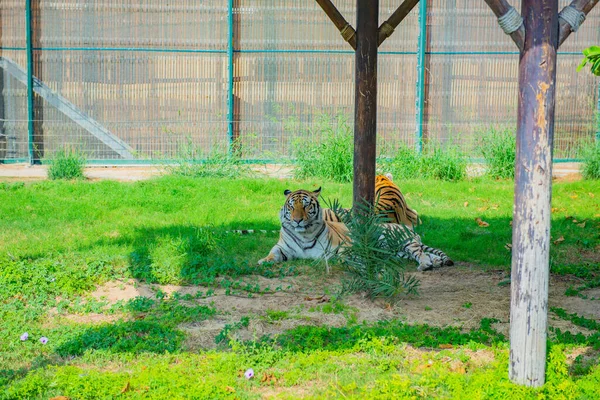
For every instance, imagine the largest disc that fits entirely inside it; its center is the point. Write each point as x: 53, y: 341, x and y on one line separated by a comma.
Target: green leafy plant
x: 591, y: 161
x: 371, y: 260
x: 329, y: 154
x: 67, y: 163
x: 591, y: 55
x: 219, y: 162
x: 498, y: 147
x: 446, y: 163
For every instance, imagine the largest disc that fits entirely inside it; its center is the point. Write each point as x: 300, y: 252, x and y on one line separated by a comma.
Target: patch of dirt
x: 455, y: 296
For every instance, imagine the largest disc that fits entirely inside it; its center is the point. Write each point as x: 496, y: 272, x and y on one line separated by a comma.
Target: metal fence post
x: 29, y: 80
x: 420, y: 98
x: 230, y: 73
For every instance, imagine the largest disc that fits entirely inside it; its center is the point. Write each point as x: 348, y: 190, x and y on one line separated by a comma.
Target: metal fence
x: 133, y: 81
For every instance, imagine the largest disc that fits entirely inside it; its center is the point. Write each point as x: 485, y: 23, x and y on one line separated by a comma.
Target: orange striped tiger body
x: 392, y: 204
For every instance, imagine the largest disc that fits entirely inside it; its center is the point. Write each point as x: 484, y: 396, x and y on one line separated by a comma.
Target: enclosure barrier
x: 142, y: 82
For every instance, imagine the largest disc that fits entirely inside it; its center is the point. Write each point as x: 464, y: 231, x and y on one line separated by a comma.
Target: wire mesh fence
x: 138, y: 81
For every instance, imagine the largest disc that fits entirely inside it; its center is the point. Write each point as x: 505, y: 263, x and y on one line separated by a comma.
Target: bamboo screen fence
x: 161, y: 77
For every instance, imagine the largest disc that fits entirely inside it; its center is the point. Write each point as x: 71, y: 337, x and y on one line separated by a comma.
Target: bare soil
x: 457, y: 296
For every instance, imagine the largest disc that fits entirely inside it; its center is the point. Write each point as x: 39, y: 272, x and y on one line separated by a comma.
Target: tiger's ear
x: 287, y: 191
x: 317, y: 192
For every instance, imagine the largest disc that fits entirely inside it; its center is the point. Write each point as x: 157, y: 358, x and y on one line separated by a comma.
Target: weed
x: 228, y: 328
x: 447, y: 163
x: 498, y: 148
x: 219, y: 162
x: 67, y: 163
x: 467, y: 305
x: 591, y: 161
x: 331, y: 155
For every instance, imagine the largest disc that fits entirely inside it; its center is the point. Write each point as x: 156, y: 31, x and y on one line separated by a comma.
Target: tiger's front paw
x: 268, y: 258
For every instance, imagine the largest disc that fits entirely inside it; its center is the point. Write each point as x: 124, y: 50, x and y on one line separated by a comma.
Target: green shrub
x: 591, y: 161
x: 446, y: 163
x: 371, y: 264
x: 499, y: 148
x: 219, y: 162
x: 67, y: 163
x: 330, y: 152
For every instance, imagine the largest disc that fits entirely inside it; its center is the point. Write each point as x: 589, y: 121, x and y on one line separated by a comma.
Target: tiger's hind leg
x: 446, y: 261
x: 414, y: 250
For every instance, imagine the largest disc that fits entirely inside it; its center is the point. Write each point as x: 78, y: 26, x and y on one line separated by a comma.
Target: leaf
x: 482, y: 208
x: 573, y: 196
x: 559, y: 240
x: 446, y: 346
x: 581, y: 225
x: 554, y: 209
x: 466, y: 204
x: 125, y: 388
x: 508, y: 246
x: 575, y: 221
x: 591, y: 194
x: 268, y: 378
x: 569, y: 217
x: 481, y: 223
x: 60, y: 398
x: 229, y: 389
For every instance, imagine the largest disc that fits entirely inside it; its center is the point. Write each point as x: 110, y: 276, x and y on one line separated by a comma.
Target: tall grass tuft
x: 219, y: 162
x: 328, y: 153
x: 372, y: 264
x: 498, y: 147
x: 67, y: 163
x: 590, y: 168
x: 447, y: 163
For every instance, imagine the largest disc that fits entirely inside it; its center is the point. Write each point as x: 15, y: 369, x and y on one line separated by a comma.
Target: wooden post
x: 387, y: 28
x: 339, y: 21
x: 584, y: 6
x: 533, y: 188
x: 365, y: 107
x: 500, y: 8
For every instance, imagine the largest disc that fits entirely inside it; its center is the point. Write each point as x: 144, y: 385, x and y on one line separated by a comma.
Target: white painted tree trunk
x: 533, y: 188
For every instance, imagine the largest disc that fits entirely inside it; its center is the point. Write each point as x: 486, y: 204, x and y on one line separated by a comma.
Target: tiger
x: 389, y: 202
x: 306, y: 234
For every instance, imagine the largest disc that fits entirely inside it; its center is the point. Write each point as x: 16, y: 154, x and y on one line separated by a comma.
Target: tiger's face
x: 301, y: 209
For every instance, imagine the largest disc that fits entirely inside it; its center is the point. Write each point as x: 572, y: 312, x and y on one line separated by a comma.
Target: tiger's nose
x: 297, y: 220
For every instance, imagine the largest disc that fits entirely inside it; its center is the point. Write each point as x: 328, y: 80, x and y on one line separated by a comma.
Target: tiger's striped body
x: 392, y: 204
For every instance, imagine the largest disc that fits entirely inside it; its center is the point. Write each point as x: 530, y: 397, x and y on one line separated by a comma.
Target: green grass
x: 329, y: 157
x: 499, y: 148
x: 58, y: 239
x: 591, y: 161
x: 66, y: 163
x: 446, y: 163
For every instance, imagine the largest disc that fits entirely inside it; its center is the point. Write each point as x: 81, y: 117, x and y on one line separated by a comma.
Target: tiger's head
x: 301, y: 210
